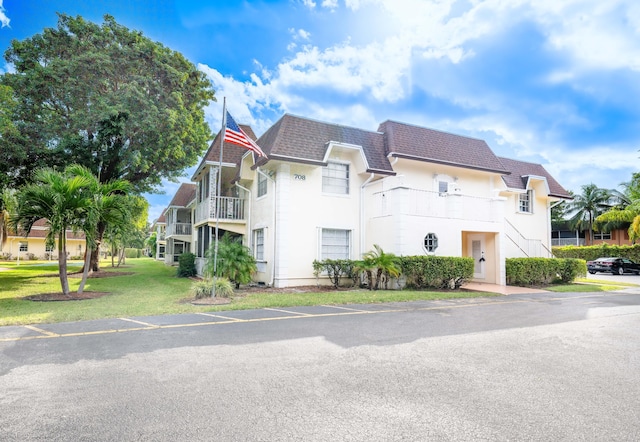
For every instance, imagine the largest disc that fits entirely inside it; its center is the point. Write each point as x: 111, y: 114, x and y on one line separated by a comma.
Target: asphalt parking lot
x: 534, y: 367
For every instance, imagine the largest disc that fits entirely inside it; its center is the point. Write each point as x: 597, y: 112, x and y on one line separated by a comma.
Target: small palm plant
x: 383, y: 265
x: 235, y: 261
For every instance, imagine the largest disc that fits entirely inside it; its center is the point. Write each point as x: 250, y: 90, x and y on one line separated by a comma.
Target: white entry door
x: 476, y: 251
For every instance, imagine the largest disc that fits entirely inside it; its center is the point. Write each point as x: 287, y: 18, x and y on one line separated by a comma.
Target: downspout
x: 362, y: 226
x: 249, y: 235
x: 273, y: 267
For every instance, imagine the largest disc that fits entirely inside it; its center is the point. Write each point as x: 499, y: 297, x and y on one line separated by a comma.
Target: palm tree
x: 384, y: 264
x: 235, y: 261
x: 586, y: 206
x: 65, y: 200
x: 627, y: 212
x: 110, y: 206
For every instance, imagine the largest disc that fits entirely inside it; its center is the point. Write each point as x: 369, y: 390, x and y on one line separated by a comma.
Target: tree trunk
x: 95, y: 254
x: 85, y: 270
x: 62, y: 263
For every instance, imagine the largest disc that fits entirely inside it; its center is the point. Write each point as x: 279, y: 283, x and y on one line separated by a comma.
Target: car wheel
x: 620, y: 271
x: 592, y: 272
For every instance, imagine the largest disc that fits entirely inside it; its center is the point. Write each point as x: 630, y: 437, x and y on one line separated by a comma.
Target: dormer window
x: 335, y: 178
x: 525, y: 203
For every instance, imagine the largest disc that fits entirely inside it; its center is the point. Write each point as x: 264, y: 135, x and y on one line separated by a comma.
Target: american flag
x: 233, y: 134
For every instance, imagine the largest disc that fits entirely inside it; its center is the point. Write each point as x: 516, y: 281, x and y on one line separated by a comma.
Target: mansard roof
x: 305, y: 140
x: 423, y: 144
x: 185, y: 194
x: 522, y: 171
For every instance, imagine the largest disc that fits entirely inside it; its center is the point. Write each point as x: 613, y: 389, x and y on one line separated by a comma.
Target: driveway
x: 627, y: 278
x: 534, y: 367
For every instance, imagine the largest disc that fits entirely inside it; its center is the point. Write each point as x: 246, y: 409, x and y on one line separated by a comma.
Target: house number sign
x: 299, y: 177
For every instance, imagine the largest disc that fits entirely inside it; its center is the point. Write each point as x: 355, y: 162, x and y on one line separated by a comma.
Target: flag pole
x: 219, y: 177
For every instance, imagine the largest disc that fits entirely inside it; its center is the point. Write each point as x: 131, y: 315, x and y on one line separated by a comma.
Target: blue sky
x: 549, y: 81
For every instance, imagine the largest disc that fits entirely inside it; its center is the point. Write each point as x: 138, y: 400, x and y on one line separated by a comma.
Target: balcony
x: 179, y: 229
x: 405, y: 201
x: 228, y: 209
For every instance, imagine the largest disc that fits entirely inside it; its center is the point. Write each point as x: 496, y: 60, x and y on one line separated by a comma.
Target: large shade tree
x: 102, y: 96
x: 108, y: 98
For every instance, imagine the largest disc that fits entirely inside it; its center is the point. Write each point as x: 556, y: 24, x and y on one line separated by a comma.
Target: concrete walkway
x: 502, y: 289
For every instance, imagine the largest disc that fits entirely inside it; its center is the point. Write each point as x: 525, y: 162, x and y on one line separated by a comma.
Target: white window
x: 335, y: 178
x: 258, y: 244
x: 443, y: 187
x: 24, y: 246
x: 525, y: 202
x: 262, y: 185
x: 49, y: 248
x: 335, y: 244
x: 601, y: 235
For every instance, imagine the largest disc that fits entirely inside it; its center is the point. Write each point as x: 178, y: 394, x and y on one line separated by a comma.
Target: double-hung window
x: 525, y: 202
x: 335, y: 178
x: 24, y: 246
x: 258, y: 244
x: 262, y: 185
x: 335, y: 244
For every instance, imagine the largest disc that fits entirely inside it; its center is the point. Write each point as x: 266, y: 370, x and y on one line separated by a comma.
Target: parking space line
x: 294, y: 315
x: 135, y: 321
x: 39, y: 330
x: 343, y: 308
x: 288, y: 311
x: 211, y: 315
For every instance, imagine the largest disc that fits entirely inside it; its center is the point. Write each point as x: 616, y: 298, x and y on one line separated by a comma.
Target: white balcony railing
x: 568, y: 241
x: 436, y: 205
x: 179, y: 229
x: 228, y: 208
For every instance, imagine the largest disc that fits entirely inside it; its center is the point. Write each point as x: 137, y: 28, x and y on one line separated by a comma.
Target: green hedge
x: 186, y: 265
x: 543, y: 271
x: 132, y: 253
x: 589, y: 253
x: 419, y: 272
x: 441, y: 272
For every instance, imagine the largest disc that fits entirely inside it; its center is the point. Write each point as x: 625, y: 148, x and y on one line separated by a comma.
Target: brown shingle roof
x: 185, y: 194
x: 40, y: 230
x: 521, y: 171
x: 304, y: 140
x: 419, y: 143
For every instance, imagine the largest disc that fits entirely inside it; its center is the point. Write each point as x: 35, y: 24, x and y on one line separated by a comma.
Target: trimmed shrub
x: 186, y: 265
x: 440, y: 272
x: 336, y: 269
x: 543, y: 271
x: 589, y: 253
x: 132, y: 253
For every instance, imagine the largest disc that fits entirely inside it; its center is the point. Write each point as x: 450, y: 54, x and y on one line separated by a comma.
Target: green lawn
x: 153, y: 289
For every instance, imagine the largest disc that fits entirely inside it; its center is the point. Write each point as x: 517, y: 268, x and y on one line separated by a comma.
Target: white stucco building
x: 330, y: 191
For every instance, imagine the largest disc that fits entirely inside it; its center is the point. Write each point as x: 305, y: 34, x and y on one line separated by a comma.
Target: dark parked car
x: 617, y: 266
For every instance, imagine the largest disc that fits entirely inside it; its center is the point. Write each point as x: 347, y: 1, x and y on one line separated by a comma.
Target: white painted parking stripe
x: 288, y: 311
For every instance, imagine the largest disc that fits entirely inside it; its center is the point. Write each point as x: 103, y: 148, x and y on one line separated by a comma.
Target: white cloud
x: 364, y: 80
x: 330, y: 4
x: 3, y: 16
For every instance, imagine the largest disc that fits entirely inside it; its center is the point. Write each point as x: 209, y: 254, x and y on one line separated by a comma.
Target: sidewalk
x: 502, y: 289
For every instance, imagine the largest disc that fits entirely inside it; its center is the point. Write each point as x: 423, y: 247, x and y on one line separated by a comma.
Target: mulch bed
x: 59, y: 296
x: 73, y: 296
